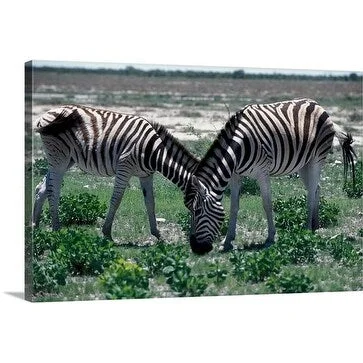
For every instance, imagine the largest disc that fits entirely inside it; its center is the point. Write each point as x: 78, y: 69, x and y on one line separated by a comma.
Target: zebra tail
x: 346, y: 140
x: 62, y: 122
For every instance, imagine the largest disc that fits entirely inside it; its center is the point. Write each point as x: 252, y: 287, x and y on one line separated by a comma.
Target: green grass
x: 131, y: 229
x: 132, y: 236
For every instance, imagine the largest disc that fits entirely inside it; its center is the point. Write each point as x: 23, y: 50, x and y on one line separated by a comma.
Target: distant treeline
x: 237, y: 74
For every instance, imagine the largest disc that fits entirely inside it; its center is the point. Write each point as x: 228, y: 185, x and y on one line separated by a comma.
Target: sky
x: 112, y: 65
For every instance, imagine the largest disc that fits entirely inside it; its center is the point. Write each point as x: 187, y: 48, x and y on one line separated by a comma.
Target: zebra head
x: 207, y: 215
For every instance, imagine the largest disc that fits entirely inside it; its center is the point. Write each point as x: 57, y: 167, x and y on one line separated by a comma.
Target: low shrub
x: 86, y: 254
x: 49, y: 273
x: 289, y: 282
x: 183, y: 219
x: 124, y: 280
x: 44, y: 241
x: 80, y: 209
x: 40, y: 166
x: 153, y: 259
x: 355, y: 190
x: 298, y: 246
x: 342, y: 250
x: 180, y: 278
x: 257, y: 266
x: 83, y: 252
x: 217, y: 272
x: 248, y: 186
x: 292, y: 213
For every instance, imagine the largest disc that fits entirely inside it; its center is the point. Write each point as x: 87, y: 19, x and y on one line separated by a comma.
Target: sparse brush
x: 78, y: 209
x: 291, y: 213
x: 289, y: 282
x: 124, y: 280
x: 355, y: 189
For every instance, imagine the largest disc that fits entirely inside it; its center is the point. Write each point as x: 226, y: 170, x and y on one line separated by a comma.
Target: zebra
x: 260, y: 141
x: 108, y: 143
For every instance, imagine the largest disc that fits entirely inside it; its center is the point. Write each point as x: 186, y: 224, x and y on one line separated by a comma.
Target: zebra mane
x: 166, y: 136
x: 223, y: 136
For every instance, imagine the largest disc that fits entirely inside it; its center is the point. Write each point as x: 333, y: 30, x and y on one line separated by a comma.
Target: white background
x: 274, y: 34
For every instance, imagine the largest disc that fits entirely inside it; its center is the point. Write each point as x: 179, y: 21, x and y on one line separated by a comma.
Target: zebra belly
x: 92, y: 165
x: 267, y: 164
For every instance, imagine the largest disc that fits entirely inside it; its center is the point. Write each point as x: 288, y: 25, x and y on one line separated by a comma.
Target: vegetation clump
x: 289, y: 282
x: 292, y: 213
x: 155, y: 258
x: 298, y: 246
x: 124, y: 280
x: 180, y: 278
x: 68, y: 252
x: 355, y: 190
x: 257, y: 266
x: 79, y: 209
x: 40, y: 166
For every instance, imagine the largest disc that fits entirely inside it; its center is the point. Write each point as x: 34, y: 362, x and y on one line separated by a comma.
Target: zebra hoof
x: 156, y: 234
x: 268, y: 243
x: 108, y: 236
x: 226, y: 248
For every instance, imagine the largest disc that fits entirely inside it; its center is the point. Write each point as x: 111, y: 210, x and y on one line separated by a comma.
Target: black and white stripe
x: 260, y: 141
x: 108, y: 143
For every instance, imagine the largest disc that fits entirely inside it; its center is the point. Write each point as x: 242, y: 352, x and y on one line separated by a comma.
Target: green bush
x: 343, y: 251
x: 49, y: 273
x: 180, y: 278
x: 40, y: 166
x: 124, y: 280
x: 82, y: 208
x: 355, y: 190
x: 154, y: 258
x: 292, y: 213
x: 183, y: 219
x: 257, y: 266
x: 86, y: 254
x: 217, y: 272
x: 298, y: 246
x: 289, y: 282
x: 44, y: 241
x: 250, y: 186
x: 83, y: 252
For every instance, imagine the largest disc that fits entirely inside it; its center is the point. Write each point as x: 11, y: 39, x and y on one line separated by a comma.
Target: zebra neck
x: 176, y: 165
x: 222, y: 159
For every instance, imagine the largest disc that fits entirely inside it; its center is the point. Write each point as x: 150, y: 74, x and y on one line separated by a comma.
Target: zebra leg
x: 310, y: 175
x: 231, y: 232
x: 53, y: 185
x: 40, y: 197
x: 265, y: 188
x: 121, y: 181
x: 148, y: 192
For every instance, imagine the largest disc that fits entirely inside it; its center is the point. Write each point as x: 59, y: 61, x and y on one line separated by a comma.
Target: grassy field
x: 331, y: 260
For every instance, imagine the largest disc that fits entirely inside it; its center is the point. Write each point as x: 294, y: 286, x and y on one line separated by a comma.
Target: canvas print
x: 152, y: 181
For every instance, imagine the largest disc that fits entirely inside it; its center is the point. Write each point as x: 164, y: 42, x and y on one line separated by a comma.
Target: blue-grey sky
x: 109, y: 65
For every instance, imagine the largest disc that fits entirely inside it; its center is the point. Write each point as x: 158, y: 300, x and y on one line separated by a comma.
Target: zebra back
x: 96, y: 138
x: 277, y: 138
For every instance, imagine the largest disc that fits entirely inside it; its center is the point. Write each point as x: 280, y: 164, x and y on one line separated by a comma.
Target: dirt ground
x: 204, y: 104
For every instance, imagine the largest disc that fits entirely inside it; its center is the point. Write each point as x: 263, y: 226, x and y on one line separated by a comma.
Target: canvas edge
x: 28, y: 184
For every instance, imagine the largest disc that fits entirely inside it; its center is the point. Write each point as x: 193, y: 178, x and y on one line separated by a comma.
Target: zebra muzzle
x: 200, y: 248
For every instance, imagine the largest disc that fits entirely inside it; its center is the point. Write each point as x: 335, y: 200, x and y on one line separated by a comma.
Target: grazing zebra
x: 260, y: 141
x: 108, y: 143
